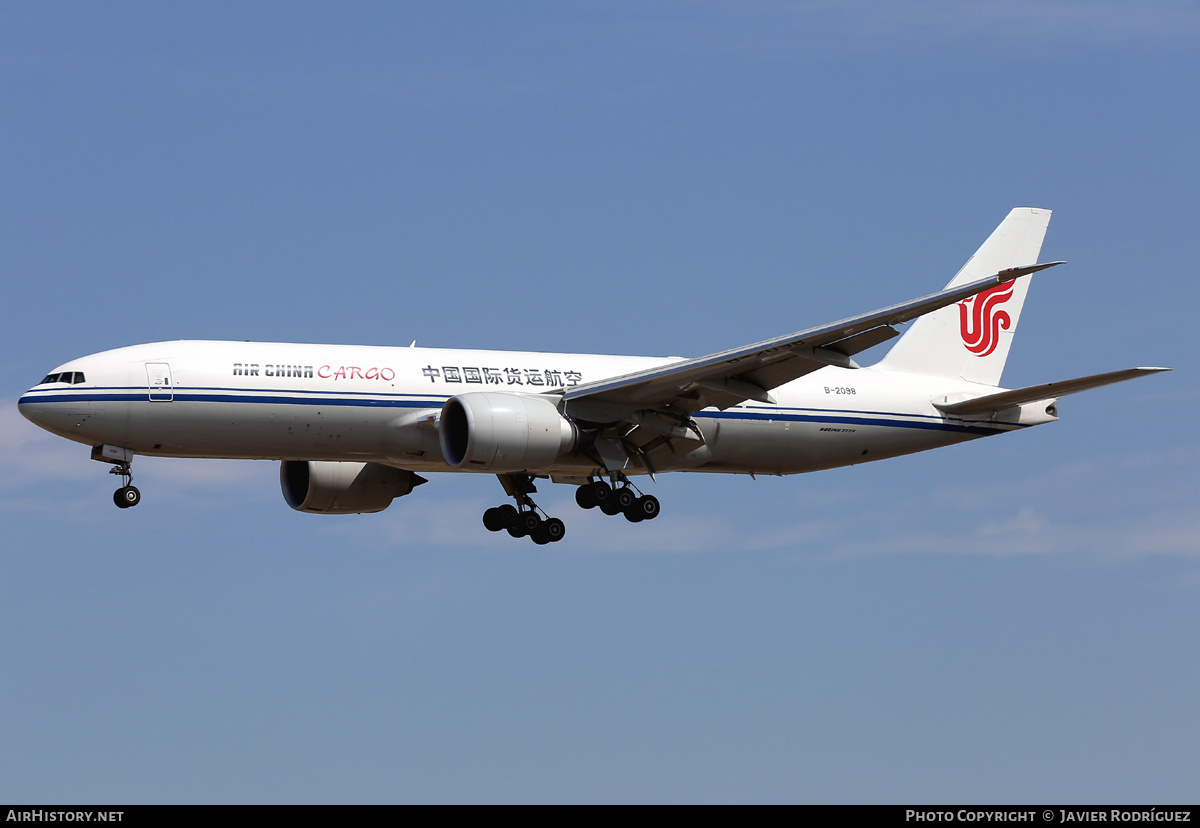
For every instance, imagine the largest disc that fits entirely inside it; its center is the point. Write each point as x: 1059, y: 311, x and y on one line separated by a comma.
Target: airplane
x: 355, y: 427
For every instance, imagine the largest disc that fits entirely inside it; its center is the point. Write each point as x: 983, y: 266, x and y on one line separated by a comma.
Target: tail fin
x: 971, y: 339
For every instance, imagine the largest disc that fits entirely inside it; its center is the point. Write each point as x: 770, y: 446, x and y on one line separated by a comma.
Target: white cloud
x: 420, y: 519
x: 1028, y: 531
x: 209, y: 473
x: 15, y: 430
x: 672, y: 531
x: 796, y: 534
x: 30, y: 455
x: 1104, y: 505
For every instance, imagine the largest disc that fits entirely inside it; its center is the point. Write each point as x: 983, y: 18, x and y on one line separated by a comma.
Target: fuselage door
x: 158, y: 378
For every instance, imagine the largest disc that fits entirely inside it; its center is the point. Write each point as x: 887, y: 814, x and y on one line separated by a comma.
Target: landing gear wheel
x: 624, y: 498
x: 530, y: 522
x: 493, y: 519
x: 644, y: 508
x: 585, y: 496
x: 601, y: 492
x: 514, y: 521
x: 127, y: 496
x: 525, y: 519
x: 550, y: 530
x: 554, y: 529
x: 508, y: 515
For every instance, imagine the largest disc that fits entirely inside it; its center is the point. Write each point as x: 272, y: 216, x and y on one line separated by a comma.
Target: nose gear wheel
x: 128, y: 495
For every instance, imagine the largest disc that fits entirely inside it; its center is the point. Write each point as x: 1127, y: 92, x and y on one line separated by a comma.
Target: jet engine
x: 503, y: 432
x: 327, y: 487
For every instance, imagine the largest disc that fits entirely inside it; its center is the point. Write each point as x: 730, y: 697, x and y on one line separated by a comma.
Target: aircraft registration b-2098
x: 354, y: 426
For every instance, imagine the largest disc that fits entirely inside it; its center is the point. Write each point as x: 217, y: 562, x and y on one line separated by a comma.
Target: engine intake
x: 328, y: 487
x: 503, y: 432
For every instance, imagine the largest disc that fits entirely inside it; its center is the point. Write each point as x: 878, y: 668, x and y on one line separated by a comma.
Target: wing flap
x: 852, y: 345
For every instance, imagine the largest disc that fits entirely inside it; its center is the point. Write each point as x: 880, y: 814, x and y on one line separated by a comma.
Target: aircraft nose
x: 51, y: 406
x: 32, y: 409
x: 64, y: 403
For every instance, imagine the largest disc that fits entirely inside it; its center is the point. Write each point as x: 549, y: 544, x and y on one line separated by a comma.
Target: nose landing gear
x: 122, y: 465
x: 127, y: 496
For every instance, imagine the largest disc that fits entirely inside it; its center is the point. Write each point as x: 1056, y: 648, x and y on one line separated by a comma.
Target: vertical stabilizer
x: 971, y: 339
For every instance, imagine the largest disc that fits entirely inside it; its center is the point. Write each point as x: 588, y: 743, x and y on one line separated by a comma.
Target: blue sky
x: 1012, y: 620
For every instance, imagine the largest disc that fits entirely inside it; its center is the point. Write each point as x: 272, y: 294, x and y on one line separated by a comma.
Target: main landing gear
x: 625, y: 499
x: 523, y: 519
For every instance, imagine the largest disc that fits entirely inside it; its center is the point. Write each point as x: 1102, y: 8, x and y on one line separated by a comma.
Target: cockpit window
x: 69, y: 377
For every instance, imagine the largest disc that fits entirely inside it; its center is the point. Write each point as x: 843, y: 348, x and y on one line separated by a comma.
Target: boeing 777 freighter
x: 355, y: 427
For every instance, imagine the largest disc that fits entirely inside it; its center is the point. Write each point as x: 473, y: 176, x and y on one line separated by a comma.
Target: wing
x: 749, y: 373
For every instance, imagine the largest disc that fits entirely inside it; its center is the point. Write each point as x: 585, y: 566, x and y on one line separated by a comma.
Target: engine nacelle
x: 327, y: 487
x: 503, y: 432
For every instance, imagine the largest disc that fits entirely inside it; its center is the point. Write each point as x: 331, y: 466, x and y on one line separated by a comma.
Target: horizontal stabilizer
x: 1007, y: 399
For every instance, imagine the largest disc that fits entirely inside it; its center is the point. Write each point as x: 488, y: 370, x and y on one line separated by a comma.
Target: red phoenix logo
x: 981, y: 319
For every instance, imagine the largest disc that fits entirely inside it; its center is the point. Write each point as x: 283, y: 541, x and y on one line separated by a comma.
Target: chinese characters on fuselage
x: 543, y: 377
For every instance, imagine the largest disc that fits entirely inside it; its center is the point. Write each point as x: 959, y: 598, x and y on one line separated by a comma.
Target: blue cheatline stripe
x: 933, y: 417
x: 831, y: 416
x: 261, y: 399
x: 140, y: 391
x: 142, y: 395
x: 301, y: 391
x: 888, y: 422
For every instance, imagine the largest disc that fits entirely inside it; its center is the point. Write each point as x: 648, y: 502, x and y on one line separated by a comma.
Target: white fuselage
x: 379, y: 404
